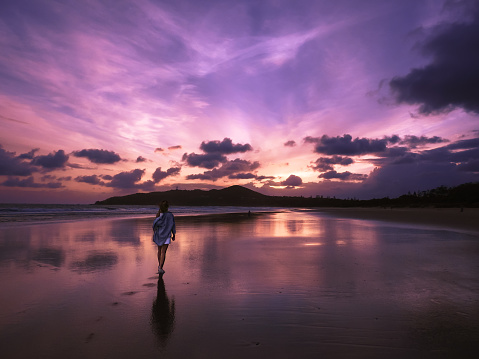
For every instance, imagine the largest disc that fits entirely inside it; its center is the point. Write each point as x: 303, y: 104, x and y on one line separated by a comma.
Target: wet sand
x: 457, y: 218
x: 283, y: 285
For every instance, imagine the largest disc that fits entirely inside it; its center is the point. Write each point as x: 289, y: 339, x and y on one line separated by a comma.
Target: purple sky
x: 340, y: 98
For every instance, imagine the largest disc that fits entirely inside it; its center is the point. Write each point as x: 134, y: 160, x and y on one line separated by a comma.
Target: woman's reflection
x: 162, y: 314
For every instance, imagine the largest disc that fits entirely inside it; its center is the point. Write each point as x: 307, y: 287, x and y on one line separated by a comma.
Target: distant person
x: 164, y: 230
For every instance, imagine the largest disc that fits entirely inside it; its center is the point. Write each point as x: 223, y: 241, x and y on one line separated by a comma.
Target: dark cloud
x: 343, y: 176
x: 290, y: 143
x: 29, y: 182
x: 464, y: 156
x: 451, y: 80
x: 28, y: 155
x: 48, y: 178
x: 93, y: 179
x: 415, y: 141
x: 159, y: 149
x: 13, y: 166
x: 140, y: 159
x: 126, y: 179
x: 324, y: 164
x: 99, y: 156
x: 393, y: 139
x: 463, y: 144
x: 395, y: 155
x: 229, y: 168
x: 408, y: 157
x: 345, y: 145
x: 292, y: 181
x: 214, y: 155
x: 262, y: 178
x: 457, y: 152
x: 159, y: 175
x: 172, y: 148
x: 242, y: 176
x: 51, y: 161
x: 469, y: 166
x: 208, y: 160
x: 409, y: 177
x: 224, y: 147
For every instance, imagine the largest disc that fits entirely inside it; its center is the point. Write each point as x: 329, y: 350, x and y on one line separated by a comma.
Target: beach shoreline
x: 453, y: 218
x: 466, y: 219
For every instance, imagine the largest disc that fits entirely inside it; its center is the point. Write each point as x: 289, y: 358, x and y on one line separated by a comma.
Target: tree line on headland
x: 465, y: 195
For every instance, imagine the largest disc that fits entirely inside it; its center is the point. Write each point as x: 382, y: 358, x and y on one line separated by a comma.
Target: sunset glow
x: 305, y: 98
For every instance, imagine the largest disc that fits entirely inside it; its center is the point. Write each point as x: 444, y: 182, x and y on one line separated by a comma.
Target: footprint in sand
x: 89, y: 337
x: 248, y: 344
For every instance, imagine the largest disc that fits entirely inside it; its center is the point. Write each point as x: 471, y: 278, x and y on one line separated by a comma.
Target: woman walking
x: 164, y: 231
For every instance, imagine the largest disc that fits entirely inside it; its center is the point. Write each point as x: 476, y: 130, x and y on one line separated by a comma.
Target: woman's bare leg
x: 159, y: 256
x: 162, y: 255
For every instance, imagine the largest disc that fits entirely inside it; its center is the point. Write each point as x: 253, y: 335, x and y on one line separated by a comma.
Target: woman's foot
x: 160, y: 271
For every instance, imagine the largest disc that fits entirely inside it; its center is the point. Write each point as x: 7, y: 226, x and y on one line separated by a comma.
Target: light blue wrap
x: 163, y: 226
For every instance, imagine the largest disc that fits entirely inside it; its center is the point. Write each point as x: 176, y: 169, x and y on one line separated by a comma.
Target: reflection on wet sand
x: 162, y: 314
x: 95, y: 262
x: 278, y: 285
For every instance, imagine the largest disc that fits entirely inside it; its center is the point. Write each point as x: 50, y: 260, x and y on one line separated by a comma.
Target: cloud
x: 13, y: 166
x: 51, y: 161
x: 172, y: 148
x: 262, y: 178
x: 451, y: 80
x: 47, y: 177
x: 414, y: 141
x: 242, y: 176
x: 229, y: 168
x: 28, y: 155
x: 159, y: 149
x: 400, y: 179
x: 99, y: 156
x: 323, y: 164
x: 159, y: 175
x: 346, y: 145
x: 469, y: 166
x: 29, y: 182
x: 224, y: 147
x: 93, y: 179
x: 463, y: 144
x: 140, y: 159
x: 208, y: 160
x: 290, y: 143
x: 343, y: 176
x: 292, y: 181
x: 126, y: 179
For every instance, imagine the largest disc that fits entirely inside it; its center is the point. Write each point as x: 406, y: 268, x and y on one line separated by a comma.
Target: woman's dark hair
x: 164, y: 206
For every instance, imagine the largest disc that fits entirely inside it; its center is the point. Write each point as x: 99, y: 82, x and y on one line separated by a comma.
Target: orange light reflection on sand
x: 291, y: 224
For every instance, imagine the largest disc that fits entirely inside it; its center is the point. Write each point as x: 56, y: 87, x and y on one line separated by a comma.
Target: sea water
x: 21, y: 213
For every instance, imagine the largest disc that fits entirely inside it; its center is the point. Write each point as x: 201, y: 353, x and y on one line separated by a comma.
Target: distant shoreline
x: 467, y: 218
x: 454, y: 218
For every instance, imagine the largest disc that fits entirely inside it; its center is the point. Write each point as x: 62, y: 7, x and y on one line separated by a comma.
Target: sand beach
x: 292, y: 284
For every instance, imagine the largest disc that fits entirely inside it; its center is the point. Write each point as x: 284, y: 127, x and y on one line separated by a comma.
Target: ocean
x: 21, y: 213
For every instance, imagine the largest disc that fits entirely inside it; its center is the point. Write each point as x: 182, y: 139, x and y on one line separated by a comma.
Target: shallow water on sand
x: 286, y: 285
